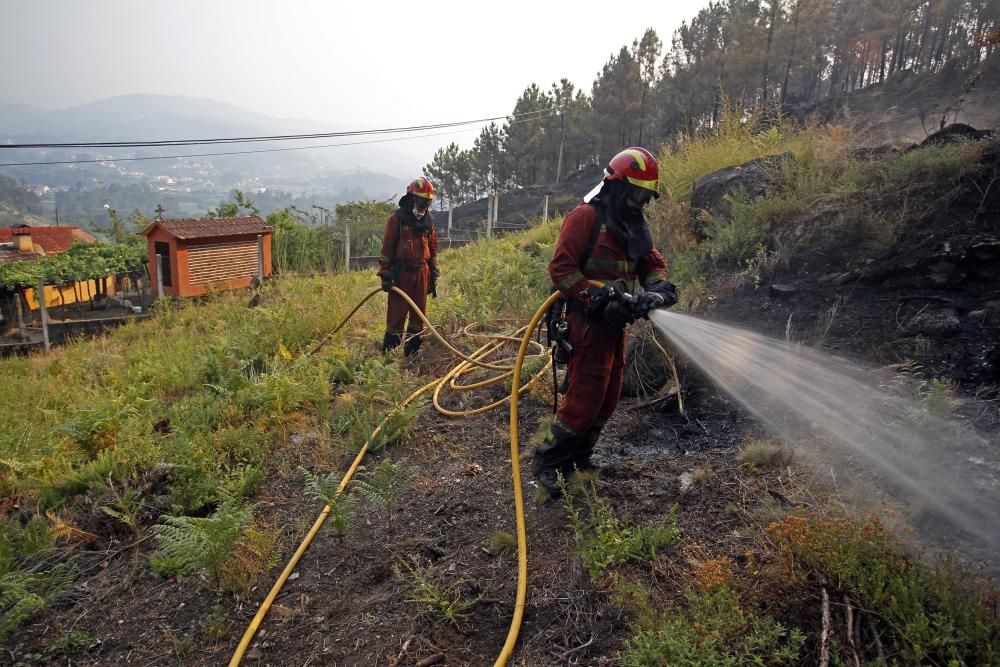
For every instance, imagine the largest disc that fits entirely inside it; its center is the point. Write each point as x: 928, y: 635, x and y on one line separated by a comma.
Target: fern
x: 22, y: 594
x: 387, y: 484
x: 126, y: 508
x: 326, y: 489
x: 191, y: 543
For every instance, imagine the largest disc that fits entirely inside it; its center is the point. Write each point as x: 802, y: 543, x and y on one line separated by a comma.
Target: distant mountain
x: 143, y: 117
x: 372, y: 170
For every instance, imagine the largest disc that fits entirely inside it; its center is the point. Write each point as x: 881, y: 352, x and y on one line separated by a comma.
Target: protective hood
x: 626, y: 224
x: 405, y: 215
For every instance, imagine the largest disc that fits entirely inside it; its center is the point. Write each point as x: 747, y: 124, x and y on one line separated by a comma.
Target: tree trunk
x: 791, y: 52
x: 922, y: 48
x: 938, y: 57
x: 767, y: 50
x: 881, y: 67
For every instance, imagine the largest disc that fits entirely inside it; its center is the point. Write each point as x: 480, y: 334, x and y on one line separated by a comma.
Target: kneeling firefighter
x: 604, y: 239
x: 409, y: 262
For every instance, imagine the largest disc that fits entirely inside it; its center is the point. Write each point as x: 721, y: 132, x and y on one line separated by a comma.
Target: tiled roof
x: 9, y: 254
x: 50, y: 239
x: 200, y: 228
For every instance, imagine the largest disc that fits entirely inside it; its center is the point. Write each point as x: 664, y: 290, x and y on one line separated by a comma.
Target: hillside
x: 708, y: 543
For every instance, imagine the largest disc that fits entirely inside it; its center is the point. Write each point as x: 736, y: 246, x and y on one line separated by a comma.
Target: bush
x: 715, y: 628
x: 733, y: 242
x: 928, y: 614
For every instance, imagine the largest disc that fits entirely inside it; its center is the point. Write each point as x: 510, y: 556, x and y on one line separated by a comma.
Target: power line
x: 260, y: 150
x: 279, y: 137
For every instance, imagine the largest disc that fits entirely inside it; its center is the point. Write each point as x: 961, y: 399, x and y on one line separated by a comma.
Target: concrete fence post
x: 20, y: 315
x: 45, y: 312
x: 347, y: 245
x: 260, y: 259
x: 489, y: 217
x: 159, y: 276
x: 545, y: 209
x: 451, y: 211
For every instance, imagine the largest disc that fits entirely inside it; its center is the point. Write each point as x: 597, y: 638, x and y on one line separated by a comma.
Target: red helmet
x: 421, y: 187
x: 635, y: 165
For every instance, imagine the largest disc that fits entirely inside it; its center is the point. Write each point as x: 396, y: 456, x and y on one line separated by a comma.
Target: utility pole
x: 562, y: 140
x: 489, y: 217
x: 43, y: 309
x: 347, y: 245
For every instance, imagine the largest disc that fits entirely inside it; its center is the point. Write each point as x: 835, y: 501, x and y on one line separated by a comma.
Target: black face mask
x: 625, y: 223
x: 639, y: 196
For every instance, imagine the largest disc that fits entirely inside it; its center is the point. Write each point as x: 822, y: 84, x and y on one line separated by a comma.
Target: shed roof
x: 202, y: 228
x: 51, y: 239
x: 9, y: 255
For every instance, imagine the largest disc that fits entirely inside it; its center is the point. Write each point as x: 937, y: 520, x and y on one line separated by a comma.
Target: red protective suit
x: 411, y: 255
x: 595, y: 366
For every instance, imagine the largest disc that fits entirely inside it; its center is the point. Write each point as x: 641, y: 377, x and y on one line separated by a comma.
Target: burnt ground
x: 928, y: 302
x: 348, y: 604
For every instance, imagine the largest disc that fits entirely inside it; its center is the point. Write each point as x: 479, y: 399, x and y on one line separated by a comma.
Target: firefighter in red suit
x: 605, y: 239
x: 409, y: 262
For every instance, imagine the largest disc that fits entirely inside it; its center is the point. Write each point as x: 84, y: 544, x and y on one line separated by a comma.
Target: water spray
x: 854, y: 416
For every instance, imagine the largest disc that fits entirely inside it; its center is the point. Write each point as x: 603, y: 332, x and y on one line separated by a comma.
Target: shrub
x: 928, y: 614
x: 763, y: 454
x: 604, y: 539
x: 715, y: 628
x: 734, y: 241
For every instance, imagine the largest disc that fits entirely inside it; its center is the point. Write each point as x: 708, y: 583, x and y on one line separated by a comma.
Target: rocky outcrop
x: 751, y: 179
x: 956, y: 133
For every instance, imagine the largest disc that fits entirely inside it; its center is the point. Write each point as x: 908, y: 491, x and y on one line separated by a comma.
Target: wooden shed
x: 203, y: 255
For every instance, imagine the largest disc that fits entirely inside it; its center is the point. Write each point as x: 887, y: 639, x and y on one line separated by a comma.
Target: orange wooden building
x: 203, y: 255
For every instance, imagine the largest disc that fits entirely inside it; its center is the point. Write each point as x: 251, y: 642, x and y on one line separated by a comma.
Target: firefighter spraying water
x: 604, y: 240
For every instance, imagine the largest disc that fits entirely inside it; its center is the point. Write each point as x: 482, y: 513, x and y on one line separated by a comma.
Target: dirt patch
x: 350, y: 600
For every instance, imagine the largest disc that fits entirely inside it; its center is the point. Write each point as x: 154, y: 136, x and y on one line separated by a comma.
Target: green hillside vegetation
x: 172, y: 426
x: 762, y: 54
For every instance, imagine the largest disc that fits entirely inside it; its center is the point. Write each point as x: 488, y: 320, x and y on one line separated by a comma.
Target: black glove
x: 388, y: 279
x: 432, y: 284
x: 619, y: 312
x: 611, y: 303
x: 661, y: 294
x: 598, y: 299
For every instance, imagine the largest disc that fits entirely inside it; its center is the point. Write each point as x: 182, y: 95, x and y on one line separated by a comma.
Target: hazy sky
x: 381, y: 63
x: 360, y: 63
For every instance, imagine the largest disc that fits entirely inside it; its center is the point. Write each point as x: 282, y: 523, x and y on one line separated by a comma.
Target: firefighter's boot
x: 554, y: 456
x: 588, y: 441
x: 413, y: 342
x: 391, y: 341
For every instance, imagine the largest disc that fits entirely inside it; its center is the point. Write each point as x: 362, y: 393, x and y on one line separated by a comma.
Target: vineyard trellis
x: 79, y: 265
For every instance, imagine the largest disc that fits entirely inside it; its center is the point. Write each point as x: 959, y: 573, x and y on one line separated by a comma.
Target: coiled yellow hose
x: 468, y: 364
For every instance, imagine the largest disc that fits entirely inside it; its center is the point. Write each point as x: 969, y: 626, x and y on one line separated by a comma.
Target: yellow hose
x: 468, y: 364
x: 515, y: 467
x: 265, y: 606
